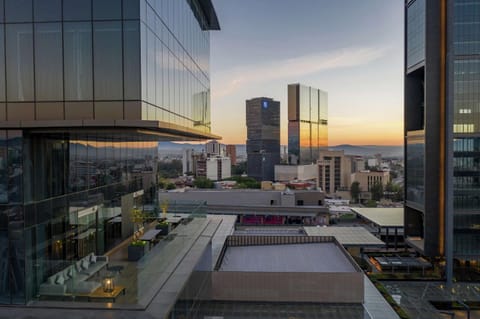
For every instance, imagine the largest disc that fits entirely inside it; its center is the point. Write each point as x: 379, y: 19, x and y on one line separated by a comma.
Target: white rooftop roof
x: 318, y: 257
x: 347, y: 236
x: 383, y: 217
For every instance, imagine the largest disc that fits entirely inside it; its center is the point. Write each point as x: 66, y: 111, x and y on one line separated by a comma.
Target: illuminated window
x: 463, y: 128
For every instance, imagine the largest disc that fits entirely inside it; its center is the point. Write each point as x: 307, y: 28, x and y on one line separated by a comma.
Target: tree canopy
x: 203, y: 182
x: 355, y: 191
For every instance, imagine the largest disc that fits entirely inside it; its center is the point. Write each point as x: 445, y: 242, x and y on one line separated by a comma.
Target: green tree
x: 161, y: 184
x: 170, y: 169
x: 245, y: 182
x: 377, y: 191
x: 203, y: 182
x: 396, y: 190
x: 170, y: 186
x: 240, y: 168
x: 390, y: 187
x: 355, y: 191
x: 371, y: 203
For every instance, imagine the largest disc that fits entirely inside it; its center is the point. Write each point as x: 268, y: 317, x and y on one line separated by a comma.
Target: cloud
x: 229, y: 81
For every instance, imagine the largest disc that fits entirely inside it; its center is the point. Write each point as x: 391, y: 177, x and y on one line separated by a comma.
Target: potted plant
x: 164, y: 226
x: 136, y: 250
x: 164, y: 206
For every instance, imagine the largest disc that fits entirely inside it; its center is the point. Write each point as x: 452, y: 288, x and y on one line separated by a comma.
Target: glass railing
x: 115, y: 279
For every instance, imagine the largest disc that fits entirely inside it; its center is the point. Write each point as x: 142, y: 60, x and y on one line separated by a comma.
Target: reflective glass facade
x: 307, y: 123
x: 174, y: 50
x: 263, y: 138
x: 466, y: 87
x: 415, y: 33
x: 64, y: 62
x: 98, y: 59
x: 455, y: 65
x: 415, y: 181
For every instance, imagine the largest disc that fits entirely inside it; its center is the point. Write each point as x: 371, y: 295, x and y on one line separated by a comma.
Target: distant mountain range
x: 360, y: 150
x: 370, y: 150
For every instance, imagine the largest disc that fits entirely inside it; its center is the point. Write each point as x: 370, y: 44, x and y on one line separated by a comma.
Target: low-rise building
x: 259, y: 206
x: 285, y: 173
x: 367, y: 179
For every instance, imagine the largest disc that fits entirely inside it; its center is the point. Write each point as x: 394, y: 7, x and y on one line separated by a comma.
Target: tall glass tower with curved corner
x: 87, y: 89
x: 442, y: 129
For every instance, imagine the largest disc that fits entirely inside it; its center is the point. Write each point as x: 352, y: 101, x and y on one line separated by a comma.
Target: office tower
x: 442, y: 128
x: 188, y: 161
x: 334, y: 170
x: 232, y: 153
x: 307, y: 123
x: 263, y: 137
x: 214, y: 148
x: 87, y: 89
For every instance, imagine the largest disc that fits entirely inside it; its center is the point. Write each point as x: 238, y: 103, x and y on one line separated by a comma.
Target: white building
x: 188, y: 161
x: 214, y: 148
x: 218, y: 168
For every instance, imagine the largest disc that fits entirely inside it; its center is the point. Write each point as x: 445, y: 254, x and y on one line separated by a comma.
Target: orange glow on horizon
x: 386, y: 134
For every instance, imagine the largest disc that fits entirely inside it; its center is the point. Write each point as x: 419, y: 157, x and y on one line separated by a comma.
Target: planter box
x: 136, y: 252
x: 164, y: 228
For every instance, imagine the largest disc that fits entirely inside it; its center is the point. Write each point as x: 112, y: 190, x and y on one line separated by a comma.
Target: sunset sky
x: 351, y: 49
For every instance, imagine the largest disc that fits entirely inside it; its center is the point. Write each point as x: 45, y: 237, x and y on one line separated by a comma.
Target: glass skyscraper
x: 307, y: 123
x: 263, y: 137
x: 87, y: 89
x: 442, y: 108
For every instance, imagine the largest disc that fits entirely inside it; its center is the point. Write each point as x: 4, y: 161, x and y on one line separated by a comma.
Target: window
x: 108, y: 66
x: 19, y: 52
x: 78, y: 60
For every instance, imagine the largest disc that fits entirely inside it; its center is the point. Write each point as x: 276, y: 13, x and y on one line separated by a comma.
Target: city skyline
x: 359, y: 64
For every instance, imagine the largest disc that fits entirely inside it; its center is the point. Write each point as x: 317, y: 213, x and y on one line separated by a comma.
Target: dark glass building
x: 307, y: 123
x: 87, y: 89
x: 263, y: 138
x: 442, y: 126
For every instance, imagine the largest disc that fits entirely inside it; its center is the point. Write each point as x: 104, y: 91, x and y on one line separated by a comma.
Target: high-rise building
x: 214, y: 168
x: 263, y: 137
x: 87, y: 89
x: 442, y: 128
x: 214, y: 148
x: 334, y: 170
x: 188, y: 161
x: 307, y: 123
x: 232, y: 153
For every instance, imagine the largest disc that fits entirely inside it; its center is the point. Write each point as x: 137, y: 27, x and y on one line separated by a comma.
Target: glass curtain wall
x: 174, y: 50
x: 98, y: 58
x: 313, y: 135
x: 73, y: 206
x: 466, y: 129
